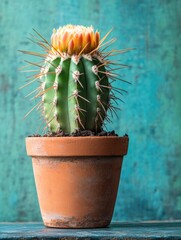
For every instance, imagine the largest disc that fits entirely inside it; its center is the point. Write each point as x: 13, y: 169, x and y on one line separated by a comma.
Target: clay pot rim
x: 77, y: 146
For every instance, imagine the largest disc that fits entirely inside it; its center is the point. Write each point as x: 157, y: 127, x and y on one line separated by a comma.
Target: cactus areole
x: 75, y: 89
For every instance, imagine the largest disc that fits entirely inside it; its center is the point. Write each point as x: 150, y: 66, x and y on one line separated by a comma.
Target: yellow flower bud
x: 75, y: 39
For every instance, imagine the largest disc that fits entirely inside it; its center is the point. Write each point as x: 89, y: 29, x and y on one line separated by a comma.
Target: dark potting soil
x: 77, y: 133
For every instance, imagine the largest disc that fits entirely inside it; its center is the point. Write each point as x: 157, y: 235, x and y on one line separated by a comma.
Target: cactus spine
x: 75, y: 88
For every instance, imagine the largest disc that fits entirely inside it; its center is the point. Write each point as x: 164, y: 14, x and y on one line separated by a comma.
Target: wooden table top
x: 133, y: 231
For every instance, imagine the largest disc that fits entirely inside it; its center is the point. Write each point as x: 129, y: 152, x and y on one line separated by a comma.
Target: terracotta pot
x: 77, y: 178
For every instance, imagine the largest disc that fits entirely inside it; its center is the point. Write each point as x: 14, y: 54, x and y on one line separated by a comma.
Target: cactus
x: 76, y: 92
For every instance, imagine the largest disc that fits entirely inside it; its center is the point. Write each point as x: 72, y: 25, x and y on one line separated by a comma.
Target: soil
x: 77, y: 133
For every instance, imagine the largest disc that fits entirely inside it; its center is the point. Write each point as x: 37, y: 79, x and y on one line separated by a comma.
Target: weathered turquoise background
x: 151, y: 177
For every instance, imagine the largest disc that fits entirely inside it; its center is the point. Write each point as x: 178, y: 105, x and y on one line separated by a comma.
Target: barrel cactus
x: 76, y: 91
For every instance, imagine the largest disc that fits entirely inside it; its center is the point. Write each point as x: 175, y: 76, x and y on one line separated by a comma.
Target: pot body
x: 75, y: 191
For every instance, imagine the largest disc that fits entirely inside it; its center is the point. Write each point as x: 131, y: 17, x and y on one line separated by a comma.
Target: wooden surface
x: 151, y: 181
x: 132, y: 231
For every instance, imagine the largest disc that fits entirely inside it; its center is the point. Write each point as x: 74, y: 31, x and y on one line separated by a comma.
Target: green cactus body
x: 75, y: 90
x: 76, y: 93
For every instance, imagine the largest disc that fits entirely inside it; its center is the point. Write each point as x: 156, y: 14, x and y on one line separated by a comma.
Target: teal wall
x: 151, y: 180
